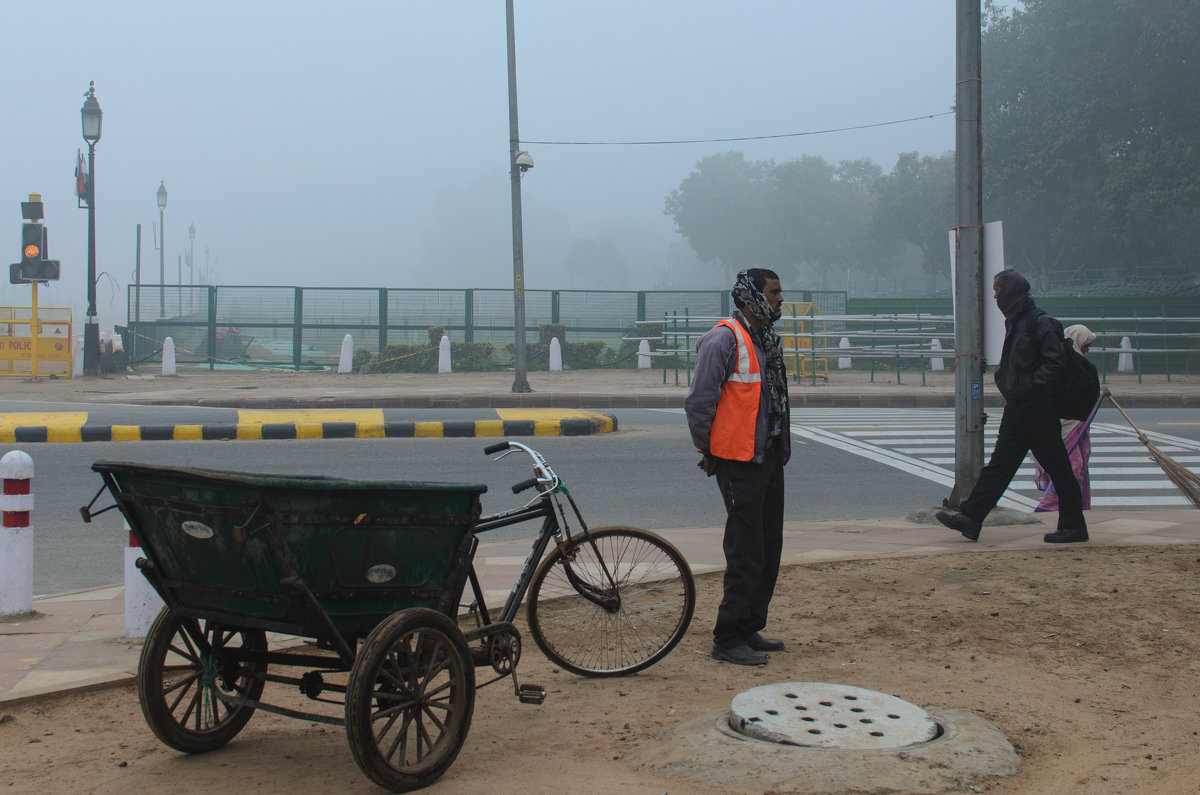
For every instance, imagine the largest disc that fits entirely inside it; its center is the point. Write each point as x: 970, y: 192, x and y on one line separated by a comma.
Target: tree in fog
x: 596, y: 264
x: 720, y: 209
x: 916, y: 205
x: 1092, y: 132
x: 821, y: 216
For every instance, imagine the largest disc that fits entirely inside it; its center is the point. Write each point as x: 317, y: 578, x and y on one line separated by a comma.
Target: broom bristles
x: 1187, y: 481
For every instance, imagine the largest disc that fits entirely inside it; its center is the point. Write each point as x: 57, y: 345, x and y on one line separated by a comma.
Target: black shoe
x: 1066, y: 536
x: 740, y: 655
x: 960, y: 522
x: 759, y: 643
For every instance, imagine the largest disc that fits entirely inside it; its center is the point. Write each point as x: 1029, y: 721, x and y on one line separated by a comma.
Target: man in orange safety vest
x: 737, y: 410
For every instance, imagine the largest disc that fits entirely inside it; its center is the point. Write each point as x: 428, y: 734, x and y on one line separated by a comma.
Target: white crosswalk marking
x: 921, y: 442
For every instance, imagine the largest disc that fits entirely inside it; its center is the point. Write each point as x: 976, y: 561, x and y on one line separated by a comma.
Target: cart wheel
x: 597, y: 626
x: 409, y: 699
x: 184, y: 663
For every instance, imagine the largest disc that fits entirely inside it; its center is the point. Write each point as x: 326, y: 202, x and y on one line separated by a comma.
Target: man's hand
x: 707, y: 464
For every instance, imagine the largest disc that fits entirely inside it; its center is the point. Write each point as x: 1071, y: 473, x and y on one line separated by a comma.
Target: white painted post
x: 346, y: 357
x: 142, y: 602
x: 77, y: 359
x: 444, y: 355
x: 644, y: 355
x: 1125, y: 360
x: 16, y: 534
x: 555, y: 355
x: 168, y: 357
x: 844, y: 361
x: 938, y: 364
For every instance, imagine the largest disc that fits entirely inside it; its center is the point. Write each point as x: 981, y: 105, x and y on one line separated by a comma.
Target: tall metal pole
x: 162, y: 267
x: 968, y: 278
x: 91, y: 329
x: 137, y: 277
x: 520, y: 384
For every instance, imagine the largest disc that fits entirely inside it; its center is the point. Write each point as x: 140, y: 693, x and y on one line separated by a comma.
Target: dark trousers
x: 1033, y: 427
x: 753, y: 495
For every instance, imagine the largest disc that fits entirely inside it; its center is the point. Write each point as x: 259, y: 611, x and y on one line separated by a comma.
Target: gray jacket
x: 716, y: 358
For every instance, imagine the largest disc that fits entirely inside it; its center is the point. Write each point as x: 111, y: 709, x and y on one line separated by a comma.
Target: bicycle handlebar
x: 543, y: 478
x: 524, y: 484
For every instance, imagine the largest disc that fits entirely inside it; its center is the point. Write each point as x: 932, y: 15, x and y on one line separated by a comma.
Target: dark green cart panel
x: 229, y: 542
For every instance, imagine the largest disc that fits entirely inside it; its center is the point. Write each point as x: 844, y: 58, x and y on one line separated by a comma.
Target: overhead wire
x: 742, y: 138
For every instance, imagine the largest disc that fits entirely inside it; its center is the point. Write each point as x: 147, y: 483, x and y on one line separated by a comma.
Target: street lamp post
x: 520, y: 384
x: 162, y: 267
x: 92, y: 118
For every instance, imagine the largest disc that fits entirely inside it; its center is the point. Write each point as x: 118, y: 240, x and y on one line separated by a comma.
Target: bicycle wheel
x: 184, y: 661
x: 409, y: 699
x: 597, y: 626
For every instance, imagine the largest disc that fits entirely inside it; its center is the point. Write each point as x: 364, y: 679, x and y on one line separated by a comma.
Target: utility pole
x: 968, y: 273
x: 520, y: 384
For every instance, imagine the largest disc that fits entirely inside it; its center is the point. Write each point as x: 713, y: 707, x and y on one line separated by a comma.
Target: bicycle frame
x: 547, y: 506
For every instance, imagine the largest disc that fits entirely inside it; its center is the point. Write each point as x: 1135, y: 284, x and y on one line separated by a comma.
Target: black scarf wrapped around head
x: 755, y: 303
x: 1012, y: 294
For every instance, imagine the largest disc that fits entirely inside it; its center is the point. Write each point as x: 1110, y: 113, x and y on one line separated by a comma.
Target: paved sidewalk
x: 578, y: 389
x: 76, y: 640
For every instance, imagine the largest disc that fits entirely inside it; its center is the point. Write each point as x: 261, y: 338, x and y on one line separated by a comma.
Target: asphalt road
x: 643, y: 475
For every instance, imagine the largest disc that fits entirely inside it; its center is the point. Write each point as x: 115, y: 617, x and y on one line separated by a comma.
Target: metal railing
x: 924, y: 343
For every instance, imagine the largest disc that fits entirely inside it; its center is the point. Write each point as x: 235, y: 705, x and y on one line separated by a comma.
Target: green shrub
x: 548, y: 331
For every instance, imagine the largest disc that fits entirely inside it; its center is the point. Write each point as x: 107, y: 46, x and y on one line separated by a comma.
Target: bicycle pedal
x: 531, y: 694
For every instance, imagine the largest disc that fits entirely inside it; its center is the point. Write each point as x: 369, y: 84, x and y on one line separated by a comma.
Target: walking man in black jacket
x: 1031, y: 370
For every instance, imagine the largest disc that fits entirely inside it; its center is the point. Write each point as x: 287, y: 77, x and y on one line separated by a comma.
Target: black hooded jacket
x: 1034, y: 361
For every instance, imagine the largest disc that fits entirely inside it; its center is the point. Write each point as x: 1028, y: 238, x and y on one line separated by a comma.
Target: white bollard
x: 168, y: 357
x: 346, y: 357
x: 555, y: 355
x: 16, y: 534
x: 444, y: 355
x: 77, y: 359
x: 644, y: 355
x: 142, y: 602
x: 938, y: 364
x: 844, y: 361
x: 1125, y: 360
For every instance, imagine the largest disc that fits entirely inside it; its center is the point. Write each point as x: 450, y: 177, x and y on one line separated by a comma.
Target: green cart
x: 360, y: 583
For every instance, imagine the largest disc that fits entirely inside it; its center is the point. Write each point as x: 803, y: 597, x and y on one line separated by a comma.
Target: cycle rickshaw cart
x: 367, y: 578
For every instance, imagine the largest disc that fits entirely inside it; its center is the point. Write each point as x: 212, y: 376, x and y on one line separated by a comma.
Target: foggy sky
x: 366, y: 143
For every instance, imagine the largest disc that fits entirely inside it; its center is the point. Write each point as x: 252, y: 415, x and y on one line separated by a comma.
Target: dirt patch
x: 1087, y: 659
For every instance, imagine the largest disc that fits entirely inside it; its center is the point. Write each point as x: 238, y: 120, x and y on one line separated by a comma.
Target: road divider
x: 18, y: 427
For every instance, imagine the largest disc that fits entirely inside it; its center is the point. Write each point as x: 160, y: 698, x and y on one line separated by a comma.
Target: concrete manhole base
x: 707, y: 751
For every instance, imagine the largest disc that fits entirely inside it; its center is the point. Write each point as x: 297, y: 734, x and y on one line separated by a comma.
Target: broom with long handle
x: 1187, y: 481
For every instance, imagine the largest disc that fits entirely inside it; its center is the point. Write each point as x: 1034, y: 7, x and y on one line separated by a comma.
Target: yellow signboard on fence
x: 799, y: 327
x: 53, y: 349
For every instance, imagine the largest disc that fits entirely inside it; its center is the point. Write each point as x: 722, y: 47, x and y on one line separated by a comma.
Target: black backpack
x: 1080, y: 387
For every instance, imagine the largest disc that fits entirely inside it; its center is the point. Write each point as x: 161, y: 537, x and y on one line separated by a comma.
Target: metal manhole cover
x: 822, y: 715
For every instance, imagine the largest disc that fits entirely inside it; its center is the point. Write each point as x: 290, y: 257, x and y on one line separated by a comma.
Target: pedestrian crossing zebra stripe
x: 913, y: 466
x: 921, y: 442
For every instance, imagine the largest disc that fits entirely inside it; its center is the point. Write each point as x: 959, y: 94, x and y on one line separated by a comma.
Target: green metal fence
x: 303, y: 327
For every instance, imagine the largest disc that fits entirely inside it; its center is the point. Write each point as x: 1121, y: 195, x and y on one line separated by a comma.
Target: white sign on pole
x: 993, y: 263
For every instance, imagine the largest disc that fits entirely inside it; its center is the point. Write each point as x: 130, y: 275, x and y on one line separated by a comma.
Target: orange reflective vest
x: 733, y: 426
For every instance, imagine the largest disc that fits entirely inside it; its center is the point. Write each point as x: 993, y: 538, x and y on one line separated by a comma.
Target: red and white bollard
x: 142, y: 602
x: 16, y: 534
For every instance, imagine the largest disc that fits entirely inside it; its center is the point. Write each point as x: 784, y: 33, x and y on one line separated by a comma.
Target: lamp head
x: 162, y: 196
x: 91, y: 116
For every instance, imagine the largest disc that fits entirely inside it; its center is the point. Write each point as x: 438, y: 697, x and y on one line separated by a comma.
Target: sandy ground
x: 1086, y: 658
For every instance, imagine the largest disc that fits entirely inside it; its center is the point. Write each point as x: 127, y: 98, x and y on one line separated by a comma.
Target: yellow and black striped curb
x: 266, y: 425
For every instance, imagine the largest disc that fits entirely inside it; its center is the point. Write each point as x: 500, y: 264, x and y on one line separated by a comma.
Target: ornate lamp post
x: 162, y: 267
x: 92, y: 118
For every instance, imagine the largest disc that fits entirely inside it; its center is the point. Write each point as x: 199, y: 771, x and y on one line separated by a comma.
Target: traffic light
x: 31, y: 244
x: 33, y: 267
